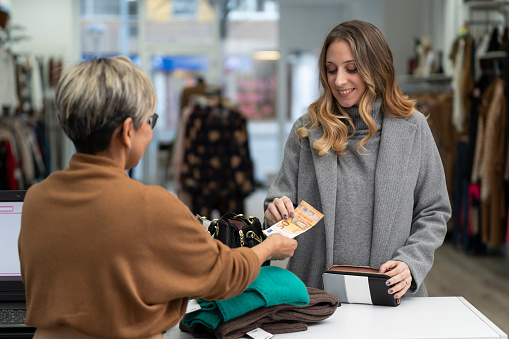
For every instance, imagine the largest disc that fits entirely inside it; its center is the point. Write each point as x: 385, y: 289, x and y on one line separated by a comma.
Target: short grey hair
x: 94, y: 97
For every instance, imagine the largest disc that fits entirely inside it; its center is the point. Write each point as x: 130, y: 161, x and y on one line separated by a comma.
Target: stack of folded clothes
x: 277, y: 302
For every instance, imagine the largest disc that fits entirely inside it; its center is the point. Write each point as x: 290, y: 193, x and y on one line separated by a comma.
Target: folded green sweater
x: 273, y: 286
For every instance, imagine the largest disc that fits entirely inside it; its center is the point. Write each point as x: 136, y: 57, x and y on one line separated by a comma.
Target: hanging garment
x: 458, y: 108
x: 188, y: 92
x: 8, y: 95
x: 460, y: 196
x: 492, y: 163
x: 494, y: 44
x: 507, y: 230
x: 36, y: 88
x: 440, y: 120
x: 217, y: 169
x: 474, y: 199
x: 42, y: 141
x: 28, y: 162
x: 7, y: 167
x: 493, y: 135
x: 480, y: 51
x: 177, y: 157
x: 54, y: 72
x: 11, y: 171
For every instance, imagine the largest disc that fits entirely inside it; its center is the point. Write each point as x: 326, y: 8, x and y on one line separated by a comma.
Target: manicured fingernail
x: 399, y: 300
x: 390, y: 291
x: 285, y: 216
x: 388, y: 283
x: 292, y: 214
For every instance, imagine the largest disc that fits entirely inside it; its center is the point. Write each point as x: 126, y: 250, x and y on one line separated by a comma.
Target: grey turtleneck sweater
x: 355, y: 196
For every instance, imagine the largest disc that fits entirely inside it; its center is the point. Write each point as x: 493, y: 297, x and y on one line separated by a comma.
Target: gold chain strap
x: 241, y: 238
x: 253, y: 235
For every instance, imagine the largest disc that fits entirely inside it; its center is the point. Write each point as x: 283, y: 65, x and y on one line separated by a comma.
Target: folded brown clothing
x: 275, y: 319
x: 227, y: 329
x: 233, y: 330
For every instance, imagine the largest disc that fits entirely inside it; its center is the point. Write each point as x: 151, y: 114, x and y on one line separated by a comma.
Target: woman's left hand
x: 401, y: 277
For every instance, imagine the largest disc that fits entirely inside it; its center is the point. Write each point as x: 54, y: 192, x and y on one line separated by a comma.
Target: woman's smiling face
x: 344, y: 80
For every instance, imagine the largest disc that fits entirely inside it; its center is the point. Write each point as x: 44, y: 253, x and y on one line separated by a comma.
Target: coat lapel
x: 394, y: 154
x: 326, y: 168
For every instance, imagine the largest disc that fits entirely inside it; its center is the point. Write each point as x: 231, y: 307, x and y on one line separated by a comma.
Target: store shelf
x: 487, y: 5
x: 412, y: 79
x: 494, y: 55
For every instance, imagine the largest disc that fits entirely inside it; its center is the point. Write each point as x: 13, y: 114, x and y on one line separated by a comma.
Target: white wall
x: 52, y: 25
x: 404, y: 21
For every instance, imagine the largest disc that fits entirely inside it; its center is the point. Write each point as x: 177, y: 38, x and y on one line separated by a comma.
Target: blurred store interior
x: 261, y: 57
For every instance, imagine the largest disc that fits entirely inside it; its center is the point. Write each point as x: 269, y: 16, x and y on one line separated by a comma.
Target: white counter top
x: 444, y: 318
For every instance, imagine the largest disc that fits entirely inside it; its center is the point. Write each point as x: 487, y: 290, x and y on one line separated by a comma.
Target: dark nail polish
x: 391, y: 291
x: 285, y: 216
x: 388, y: 283
x: 292, y: 214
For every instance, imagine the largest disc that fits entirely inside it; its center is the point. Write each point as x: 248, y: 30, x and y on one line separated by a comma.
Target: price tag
x: 192, y: 306
x: 258, y: 333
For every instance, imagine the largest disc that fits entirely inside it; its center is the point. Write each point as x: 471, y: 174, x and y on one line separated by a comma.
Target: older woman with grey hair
x: 103, y: 255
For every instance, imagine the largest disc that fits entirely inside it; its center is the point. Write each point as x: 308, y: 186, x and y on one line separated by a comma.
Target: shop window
x: 180, y: 22
x: 109, y: 27
x: 185, y: 8
x: 252, y: 85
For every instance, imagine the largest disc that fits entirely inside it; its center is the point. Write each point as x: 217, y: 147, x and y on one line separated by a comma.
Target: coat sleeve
x: 286, y: 181
x: 431, y: 211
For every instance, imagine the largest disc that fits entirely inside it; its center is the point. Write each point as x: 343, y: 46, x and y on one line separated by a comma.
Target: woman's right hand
x: 275, y: 247
x: 279, y: 209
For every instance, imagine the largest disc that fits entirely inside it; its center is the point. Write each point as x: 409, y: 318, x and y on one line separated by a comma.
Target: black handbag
x: 235, y: 230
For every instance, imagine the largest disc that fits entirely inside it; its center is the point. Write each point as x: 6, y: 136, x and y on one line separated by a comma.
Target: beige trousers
x: 69, y: 333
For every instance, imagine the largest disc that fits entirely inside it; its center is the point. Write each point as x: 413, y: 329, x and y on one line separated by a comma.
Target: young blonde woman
x: 366, y: 159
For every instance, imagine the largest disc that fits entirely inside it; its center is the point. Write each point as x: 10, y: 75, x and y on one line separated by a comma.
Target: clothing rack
x: 27, y: 117
x: 484, y: 22
x: 479, y: 140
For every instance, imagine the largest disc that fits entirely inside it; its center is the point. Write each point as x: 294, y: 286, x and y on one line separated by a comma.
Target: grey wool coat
x: 411, y: 203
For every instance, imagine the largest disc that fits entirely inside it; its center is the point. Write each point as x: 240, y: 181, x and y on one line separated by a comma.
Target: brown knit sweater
x: 114, y: 258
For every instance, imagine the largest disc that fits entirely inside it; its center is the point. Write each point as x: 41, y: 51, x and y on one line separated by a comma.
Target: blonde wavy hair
x: 375, y: 65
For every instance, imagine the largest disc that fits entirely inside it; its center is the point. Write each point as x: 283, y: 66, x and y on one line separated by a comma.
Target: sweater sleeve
x: 187, y: 261
x: 431, y: 211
